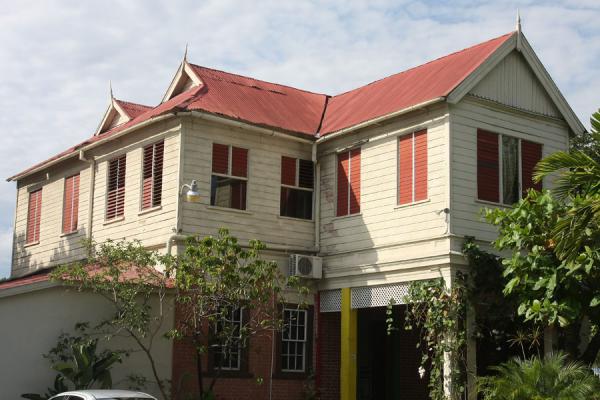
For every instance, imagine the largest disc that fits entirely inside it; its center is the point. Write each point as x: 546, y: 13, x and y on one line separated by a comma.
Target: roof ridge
x: 133, y: 104
x: 259, y: 80
x: 426, y: 63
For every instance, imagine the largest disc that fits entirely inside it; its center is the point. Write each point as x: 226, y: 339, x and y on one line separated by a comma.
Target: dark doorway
x: 387, y: 364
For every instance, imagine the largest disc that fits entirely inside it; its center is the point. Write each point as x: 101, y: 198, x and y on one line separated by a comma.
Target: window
x: 152, y: 171
x: 294, y: 340
x: 71, y: 204
x: 115, y: 200
x: 297, y: 183
x: 229, y: 177
x: 228, y: 356
x: 412, y: 167
x: 34, y: 215
x: 505, y: 167
x: 348, y: 182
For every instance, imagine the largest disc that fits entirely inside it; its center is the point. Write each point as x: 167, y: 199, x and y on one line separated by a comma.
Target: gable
x: 185, y: 79
x: 512, y: 82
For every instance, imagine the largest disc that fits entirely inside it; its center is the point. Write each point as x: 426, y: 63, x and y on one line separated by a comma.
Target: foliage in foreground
x: 551, y: 378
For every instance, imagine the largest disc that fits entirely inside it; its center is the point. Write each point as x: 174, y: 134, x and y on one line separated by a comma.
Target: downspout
x: 14, y: 247
x: 317, y: 199
x: 92, y: 163
x: 176, y: 235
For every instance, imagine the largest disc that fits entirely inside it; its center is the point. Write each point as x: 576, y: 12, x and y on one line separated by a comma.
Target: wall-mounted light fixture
x: 192, y: 194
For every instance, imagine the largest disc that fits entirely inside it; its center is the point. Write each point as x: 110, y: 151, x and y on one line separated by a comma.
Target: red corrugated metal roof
x: 405, y: 89
x: 299, y: 111
x: 133, y: 109
x: 258, y: 102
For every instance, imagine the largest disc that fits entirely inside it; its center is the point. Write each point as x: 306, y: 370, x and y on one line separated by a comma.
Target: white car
x: 102, y: 395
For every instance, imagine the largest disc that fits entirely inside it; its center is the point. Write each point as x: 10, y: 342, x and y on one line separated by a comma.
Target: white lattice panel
x: 379, y: 296
x: 331, y: 300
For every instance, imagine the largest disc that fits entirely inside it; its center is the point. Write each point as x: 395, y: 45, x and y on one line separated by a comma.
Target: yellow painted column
x: 348, y: 349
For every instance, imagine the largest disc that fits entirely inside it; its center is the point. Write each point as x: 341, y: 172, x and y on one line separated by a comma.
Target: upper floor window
x: 229, y: 179
x: 34, y: 215
x: 71, y: 204
x: 348, y: 182
x: 152, y: 172
x: 228, y: 356
x: 505, y: 167
x: 297, y: 183
x: 115, y: 199
x: 412, y: 167
x: 294, y: 338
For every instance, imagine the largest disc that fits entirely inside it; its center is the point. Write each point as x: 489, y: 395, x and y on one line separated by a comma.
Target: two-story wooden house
x: 382, y: 183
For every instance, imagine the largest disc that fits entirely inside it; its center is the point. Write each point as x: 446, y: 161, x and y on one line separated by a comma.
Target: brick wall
x: 184, y: 375
x: 329, y: 360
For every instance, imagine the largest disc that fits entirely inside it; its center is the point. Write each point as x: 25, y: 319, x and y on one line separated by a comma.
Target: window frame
x: 349, y: 181
x: 116, y: 217
x: 37, y: 223
x: 229, y: 175
x: 281, y: 373
x: 413, y: 185
x: 243, y: 356
x: 297, y: 186
x: 73, y: 205
x: 152, y: 205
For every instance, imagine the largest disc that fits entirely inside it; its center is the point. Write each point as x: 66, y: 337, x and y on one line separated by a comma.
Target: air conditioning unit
x: 309, y: 267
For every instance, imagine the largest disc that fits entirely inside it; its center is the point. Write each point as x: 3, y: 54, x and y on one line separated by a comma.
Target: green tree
x: 588, y: 142
x: 553, y: 378
x: 550, y: 290
x: 216, y: 276
x: 127, y: 276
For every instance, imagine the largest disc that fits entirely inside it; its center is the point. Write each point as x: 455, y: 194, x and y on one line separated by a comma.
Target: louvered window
x: 71, y: 204
x: 115, y: 199
x: 348, y: 182
x: 412, y: 167
x: 229, y: 179
x: 297, y: 183
x: 505, y: 167
x: 152, y: 171
x: 34, y: 215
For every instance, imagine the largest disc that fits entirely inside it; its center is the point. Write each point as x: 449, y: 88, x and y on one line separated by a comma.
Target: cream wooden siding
x: 385, y: 237
x: 53, y: 246
x: 466, y: 117
x: 153, y: 226
x: 261, y: 220
x: 513, y: 83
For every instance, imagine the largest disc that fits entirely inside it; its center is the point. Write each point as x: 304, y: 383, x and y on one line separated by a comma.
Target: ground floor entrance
x: 387, y: 364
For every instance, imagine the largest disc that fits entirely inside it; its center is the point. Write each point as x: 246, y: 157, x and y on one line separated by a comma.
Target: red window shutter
x: 531, y: 153
x: 159, y: 155
x: 220, y: 159
x: 239, y: 164
x: 152, y: 175
x: 488, y: 179
x: 115, y: 205
x: 71, y: 204
x: 405, y: 169
x: 34, y: 216
x: 420, y: 155
x: 147, y: 180
x: 342, y: 183
x: 288, y: 171
x: 354, y: 181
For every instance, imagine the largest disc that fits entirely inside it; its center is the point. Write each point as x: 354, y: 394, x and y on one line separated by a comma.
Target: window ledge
x: 291, y: 375
x: 113, y: 221
x: 227, y: 209
x: 347, y: 216
x: 414, y: 203
x: 149, y: 210
x: 31, y: 244
x: 492, y: 203
x: 295, y: 219
x: 65, y: 234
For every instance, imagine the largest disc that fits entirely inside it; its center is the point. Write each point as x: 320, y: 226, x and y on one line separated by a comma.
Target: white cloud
x: 58, y: 56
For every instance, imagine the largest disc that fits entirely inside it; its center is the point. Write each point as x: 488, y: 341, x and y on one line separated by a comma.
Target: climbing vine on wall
x: 438, y: 312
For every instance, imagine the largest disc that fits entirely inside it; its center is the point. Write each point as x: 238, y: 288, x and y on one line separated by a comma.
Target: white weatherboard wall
x: 32, y: 323
x: 386, y: 242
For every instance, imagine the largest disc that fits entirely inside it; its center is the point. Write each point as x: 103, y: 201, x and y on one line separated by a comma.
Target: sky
x: 57, y: 57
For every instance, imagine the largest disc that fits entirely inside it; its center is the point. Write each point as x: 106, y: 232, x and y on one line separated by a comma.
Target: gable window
x: 348, y: 182
x: 115, y: 199
x: 229, y: 179
x: 152, y: 172
x: 505, y: 167
x: 297, y: 183
x: 294, y: 338
x: 412, y: 167
x: 71, y: 204
x: 228, y: 356
x: 34, y: 215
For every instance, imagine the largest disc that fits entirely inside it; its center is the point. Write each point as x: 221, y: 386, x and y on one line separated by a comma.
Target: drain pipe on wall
x: 92, y: 162
x: 317, y: 198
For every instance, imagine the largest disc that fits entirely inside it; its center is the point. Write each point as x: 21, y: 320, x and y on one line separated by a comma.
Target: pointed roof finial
x: 110, y: 90
x: 185, y: 53
x: 518, y: 21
